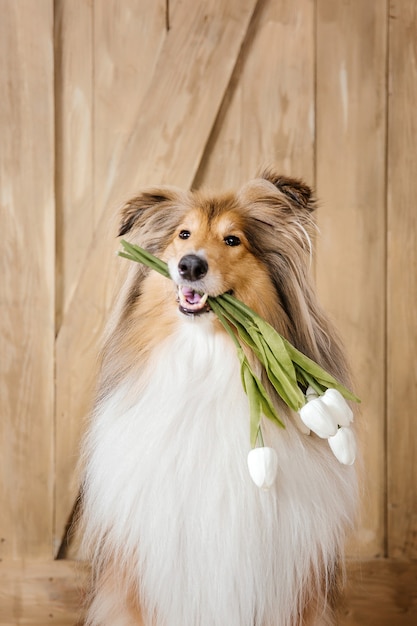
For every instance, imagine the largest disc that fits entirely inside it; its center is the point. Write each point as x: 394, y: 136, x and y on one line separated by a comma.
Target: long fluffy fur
x: 177, y: 532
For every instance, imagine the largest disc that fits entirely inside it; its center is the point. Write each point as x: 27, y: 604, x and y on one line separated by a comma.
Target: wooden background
x: 101, y: 98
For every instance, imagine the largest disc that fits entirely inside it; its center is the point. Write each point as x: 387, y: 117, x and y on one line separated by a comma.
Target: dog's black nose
x: 192, y: 267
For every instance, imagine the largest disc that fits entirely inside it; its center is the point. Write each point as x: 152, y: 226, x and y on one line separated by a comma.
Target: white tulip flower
x: 338, y: 406
x: 318, y: 418
x: 263, y: 464
x: 343, y: 445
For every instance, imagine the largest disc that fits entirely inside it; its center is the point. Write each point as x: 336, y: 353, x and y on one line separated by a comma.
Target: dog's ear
x: 137, y: 209
x: 294, y: 189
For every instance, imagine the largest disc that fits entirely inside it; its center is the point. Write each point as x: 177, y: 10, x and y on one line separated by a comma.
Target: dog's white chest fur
x: 167, y: 480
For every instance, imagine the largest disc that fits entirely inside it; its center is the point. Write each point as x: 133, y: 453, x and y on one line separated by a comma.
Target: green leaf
x: 313, y: 369
x: 259, y: 401
x: 261, y: 331
x: 283, y: 351
x: 269, y: 348
x: 138, y: 254
x: 251, y: 390
x: 280, y: 371
x: 285, y: 366
x: 237, y: 321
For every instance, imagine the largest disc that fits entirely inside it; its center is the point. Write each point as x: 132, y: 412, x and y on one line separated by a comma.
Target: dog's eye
x: 232, y: 240
x: 184, y: 234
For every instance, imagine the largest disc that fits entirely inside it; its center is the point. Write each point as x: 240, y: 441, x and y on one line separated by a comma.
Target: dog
x: 177, y: 532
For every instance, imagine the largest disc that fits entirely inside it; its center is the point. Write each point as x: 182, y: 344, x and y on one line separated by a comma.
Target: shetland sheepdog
x: 177, y: 532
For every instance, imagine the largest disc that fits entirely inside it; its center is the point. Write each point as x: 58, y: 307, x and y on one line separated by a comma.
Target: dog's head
x: 248, y: 243
x: 254, y: 243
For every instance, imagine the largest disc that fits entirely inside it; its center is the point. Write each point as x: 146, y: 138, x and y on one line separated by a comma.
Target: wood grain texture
x: 105, y: 55
x: 350, y: 162
x: 379, y: 592
x: 74, y: 128
x: 402, y: 282
x: 27, y: 278
x: 41, y: 593
x: 128, y: 38
x: 166, y: 143
x: 105, y: 64
x: 267, y: 117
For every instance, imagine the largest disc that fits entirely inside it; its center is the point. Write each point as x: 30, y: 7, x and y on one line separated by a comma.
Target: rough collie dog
x: 178, y: 533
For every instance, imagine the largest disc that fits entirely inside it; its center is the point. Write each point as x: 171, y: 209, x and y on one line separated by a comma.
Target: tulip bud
x: 318, y: 418
x: 343, y: 445
x: 263, y: 464
x: 341, y: 411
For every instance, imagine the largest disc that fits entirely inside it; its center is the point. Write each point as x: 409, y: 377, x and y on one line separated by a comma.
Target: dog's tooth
x: 181, y: 296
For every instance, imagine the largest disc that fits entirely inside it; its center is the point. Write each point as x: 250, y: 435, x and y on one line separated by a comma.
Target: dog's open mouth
x: 192, y: 302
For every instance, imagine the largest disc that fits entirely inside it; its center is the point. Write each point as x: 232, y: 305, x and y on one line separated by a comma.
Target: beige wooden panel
x: 267, y: 117
x: 165, y: 145
x: 26, y: 278
x: 128, y: 37
x: 402, y: 282
x: 105, y: 54
x: 42, y: 593
x: 105, y: 57
x: 380, y: 592
x: 350, y: 154
x: 73, y: 25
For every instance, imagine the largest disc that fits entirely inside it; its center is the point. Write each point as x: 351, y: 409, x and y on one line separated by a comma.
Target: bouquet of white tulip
x: 323, y: 408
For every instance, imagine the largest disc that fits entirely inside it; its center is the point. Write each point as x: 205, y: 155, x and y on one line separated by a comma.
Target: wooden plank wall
x: 350, y: 179
x: 402, y: 284
x: 27, y: 275
x: 102, y: 98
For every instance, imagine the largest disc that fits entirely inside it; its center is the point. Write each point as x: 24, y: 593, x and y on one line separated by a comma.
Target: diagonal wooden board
x: 268, y: 115
x: 174, y: 122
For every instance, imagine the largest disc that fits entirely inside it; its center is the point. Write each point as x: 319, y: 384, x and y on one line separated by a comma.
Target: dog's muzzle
x: 192, y: 268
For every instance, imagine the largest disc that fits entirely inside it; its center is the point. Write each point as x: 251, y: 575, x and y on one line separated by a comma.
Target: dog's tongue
x: 190, y: 295
x: 192, y: 302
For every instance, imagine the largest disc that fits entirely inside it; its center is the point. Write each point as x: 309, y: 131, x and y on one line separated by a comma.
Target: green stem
x: 232, y: 311
x: 238, y: 324
x: 260, y: 439
x: 217, y: 310
x: 311, y: 381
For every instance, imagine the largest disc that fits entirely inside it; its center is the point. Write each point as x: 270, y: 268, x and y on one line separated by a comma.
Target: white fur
x: 168, y: 489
